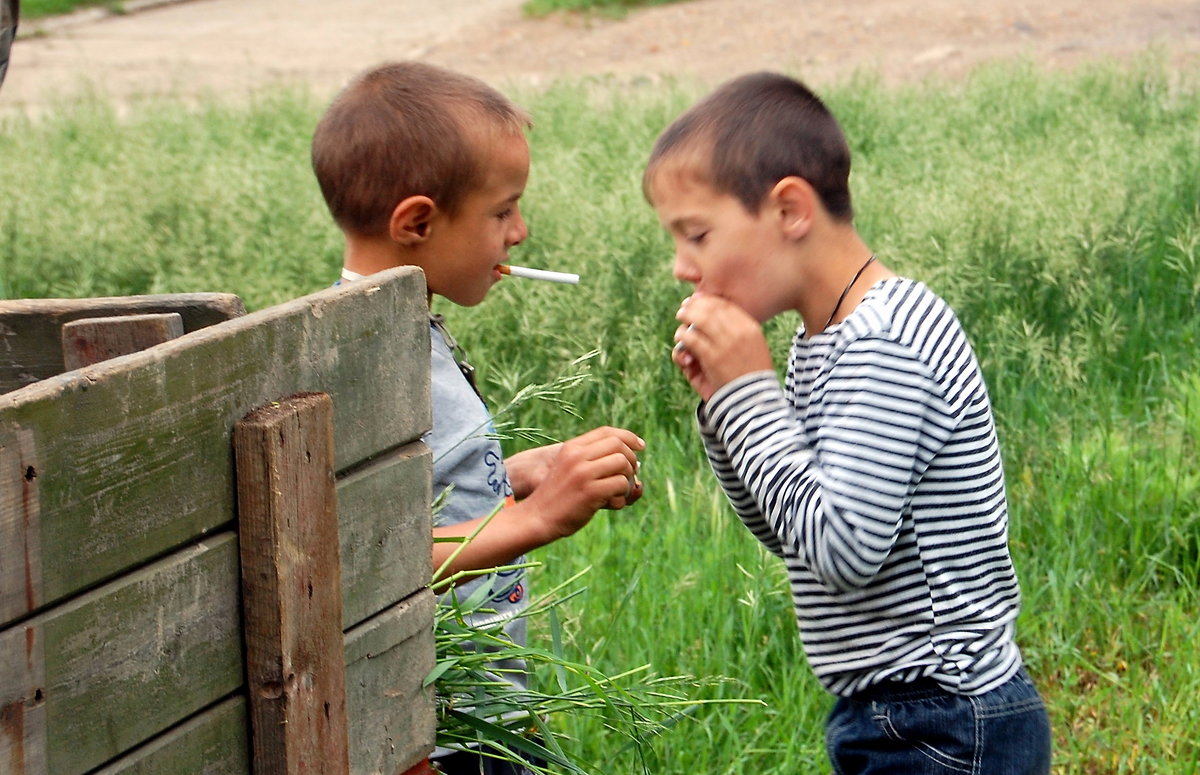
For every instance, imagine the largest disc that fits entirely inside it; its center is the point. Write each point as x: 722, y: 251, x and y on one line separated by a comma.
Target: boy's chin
x: 466, y: 299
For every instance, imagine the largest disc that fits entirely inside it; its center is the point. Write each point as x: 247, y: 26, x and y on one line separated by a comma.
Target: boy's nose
x: 684, y: 270
x: 519, y: 231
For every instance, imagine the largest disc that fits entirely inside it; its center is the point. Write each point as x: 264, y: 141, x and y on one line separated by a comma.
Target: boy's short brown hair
x: 753, y: 132
x: 403, y: 129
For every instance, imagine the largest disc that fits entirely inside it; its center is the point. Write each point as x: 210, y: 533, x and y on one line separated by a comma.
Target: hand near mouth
x: 717, y: 342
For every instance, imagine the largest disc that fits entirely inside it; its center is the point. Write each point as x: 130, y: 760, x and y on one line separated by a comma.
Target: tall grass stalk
x: 36, y: 9
x: 608, y: 8
x: 1058, y: 213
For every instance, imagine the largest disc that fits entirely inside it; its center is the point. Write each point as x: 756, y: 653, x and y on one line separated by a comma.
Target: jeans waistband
x: 889, y: 690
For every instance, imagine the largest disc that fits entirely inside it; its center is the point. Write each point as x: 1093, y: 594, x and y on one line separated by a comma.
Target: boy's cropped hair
x: 404, y: 129
x: 753, y: 132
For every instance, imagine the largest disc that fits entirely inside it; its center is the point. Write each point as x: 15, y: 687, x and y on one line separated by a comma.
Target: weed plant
x: 1058, y: 213
x: 607, y: 8
x: 34, y: 9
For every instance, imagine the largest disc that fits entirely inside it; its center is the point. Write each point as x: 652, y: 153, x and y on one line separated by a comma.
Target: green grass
x: 1058, y: 213
x: 36, y: 9
x: 614, y: 8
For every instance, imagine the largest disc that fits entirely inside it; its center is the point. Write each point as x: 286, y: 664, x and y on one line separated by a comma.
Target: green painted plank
x: 385, y: 532
x: 215, y: 742
x: 133, y: 456
x: 392, y: 718
x: 119, y: 665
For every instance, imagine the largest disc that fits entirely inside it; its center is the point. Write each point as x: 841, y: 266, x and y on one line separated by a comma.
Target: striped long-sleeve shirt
x: 875, y: 474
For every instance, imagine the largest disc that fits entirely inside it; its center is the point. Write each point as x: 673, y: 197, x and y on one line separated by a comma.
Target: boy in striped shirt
x: 874, y: 471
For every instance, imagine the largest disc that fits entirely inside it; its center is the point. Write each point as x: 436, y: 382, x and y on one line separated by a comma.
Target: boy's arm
x: 573, y: 481
x: 740, y: 498
x: 837, y: 507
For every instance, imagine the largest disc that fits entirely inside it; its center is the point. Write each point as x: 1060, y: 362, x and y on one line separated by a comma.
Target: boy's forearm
x: 502, y: 539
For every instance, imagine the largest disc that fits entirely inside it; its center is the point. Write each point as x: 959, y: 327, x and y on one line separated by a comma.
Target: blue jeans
x: 925, y: 730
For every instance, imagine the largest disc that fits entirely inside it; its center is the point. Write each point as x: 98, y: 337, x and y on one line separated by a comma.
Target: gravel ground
x: 236, y: 47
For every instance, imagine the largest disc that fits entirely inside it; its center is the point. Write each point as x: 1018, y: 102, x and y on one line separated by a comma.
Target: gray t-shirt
x: 467, y: 458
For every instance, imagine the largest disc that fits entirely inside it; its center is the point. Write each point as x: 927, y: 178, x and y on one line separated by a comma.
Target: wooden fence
x: 167, y: 603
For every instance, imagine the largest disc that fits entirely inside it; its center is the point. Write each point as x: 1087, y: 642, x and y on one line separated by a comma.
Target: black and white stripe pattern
x: 875, y: 474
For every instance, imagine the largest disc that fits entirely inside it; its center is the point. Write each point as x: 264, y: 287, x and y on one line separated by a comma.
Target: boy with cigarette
x: 425, y: 167
x: 874, y: 471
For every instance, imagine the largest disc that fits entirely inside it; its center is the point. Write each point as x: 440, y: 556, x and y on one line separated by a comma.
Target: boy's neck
x: 364, y: 256
x: 833, y: 262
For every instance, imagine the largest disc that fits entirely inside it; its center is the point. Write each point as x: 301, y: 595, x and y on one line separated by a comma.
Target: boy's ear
x: 409, y: 224
x: 794, y: 201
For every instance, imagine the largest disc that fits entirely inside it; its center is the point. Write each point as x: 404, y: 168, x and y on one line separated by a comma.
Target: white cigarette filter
x: 539, y: 274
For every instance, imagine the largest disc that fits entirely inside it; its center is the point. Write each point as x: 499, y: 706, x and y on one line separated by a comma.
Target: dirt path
x: 234, y: 47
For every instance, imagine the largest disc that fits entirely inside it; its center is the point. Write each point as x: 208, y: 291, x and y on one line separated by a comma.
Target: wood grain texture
x: 291, y: 587
x: 392, y: 716
x: 91, y: 340
x: 133, y: 456
x: 120, y: 615
x: 214, y: 742
x: 386, y: 532
x: 31, y: 329
x: 20, y: 531
x: 124, y: 662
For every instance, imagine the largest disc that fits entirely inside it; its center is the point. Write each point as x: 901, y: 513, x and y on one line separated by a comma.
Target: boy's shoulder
x: 900, y: 309
x: 898, y: 315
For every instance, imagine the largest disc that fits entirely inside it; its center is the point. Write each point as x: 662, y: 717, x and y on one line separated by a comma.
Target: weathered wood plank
x: 20, y: 534
x: 91, y: 340
x: 291, y: 587
x: 215, y: 742
x: 124, y: 662
x: 133, y: 456
x: 392, y: 718
x: 23, y: 734
x: 383, y: 510
x: 31, y: 329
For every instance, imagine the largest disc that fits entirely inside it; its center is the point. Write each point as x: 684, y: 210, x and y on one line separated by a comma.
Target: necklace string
x: 849, y: 285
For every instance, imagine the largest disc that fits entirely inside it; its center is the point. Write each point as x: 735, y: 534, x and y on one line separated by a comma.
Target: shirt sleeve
x: 744, y: 389
x: 833, y: 497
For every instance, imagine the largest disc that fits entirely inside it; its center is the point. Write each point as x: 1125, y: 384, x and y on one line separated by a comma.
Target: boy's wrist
x: 526, y: 526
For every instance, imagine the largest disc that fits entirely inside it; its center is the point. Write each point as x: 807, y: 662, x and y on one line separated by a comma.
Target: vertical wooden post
x: 291, y: 584
x: 92, y: 340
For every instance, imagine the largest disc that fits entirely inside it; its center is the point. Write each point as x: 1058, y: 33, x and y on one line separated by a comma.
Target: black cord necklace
x: 850, y: 285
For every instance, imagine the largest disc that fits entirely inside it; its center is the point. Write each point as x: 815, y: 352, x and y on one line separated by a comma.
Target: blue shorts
x: 921, y: 729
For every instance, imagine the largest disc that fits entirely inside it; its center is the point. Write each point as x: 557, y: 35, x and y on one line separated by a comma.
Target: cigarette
x: 539, y: 274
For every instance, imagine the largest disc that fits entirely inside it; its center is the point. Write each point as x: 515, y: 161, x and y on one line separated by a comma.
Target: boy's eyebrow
x: 683, y: 221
